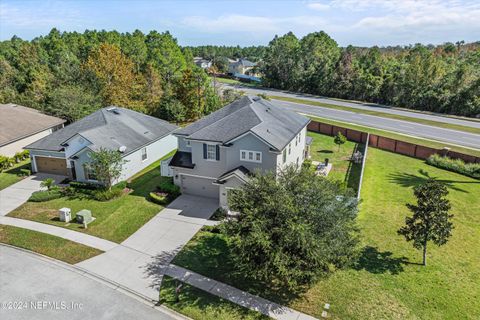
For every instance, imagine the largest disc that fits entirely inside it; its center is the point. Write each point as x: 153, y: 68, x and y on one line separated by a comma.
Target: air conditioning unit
x: 65, y: 214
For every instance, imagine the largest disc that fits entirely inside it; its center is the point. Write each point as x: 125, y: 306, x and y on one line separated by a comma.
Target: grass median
x: 380, y: 114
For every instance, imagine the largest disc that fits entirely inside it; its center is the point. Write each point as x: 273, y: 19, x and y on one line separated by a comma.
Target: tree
x: 47, y: 183
x: 339, y: 139
x: 72, y: 102
x: 430, y: 220
x: 171, y: 109
x: 107, y: 165
x: 114, y: 73
x: 292, y: 227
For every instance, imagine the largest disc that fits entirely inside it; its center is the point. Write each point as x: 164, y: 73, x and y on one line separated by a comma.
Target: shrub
x: 47, y: 183
x: 4, y: 163
x: 455, y: 165
x: 106, y: 195
x: 161, y: 198
x: 25, y: 172
x: 219, y: 214
x: 69, y: 191
x: 121, y: 185
x: 167, y: 186
x: 85, y: 185
x: 18, y: 157
x: 45, y: 195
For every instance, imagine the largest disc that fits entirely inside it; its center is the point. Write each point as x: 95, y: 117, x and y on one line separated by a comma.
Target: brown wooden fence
x: 384, y: 143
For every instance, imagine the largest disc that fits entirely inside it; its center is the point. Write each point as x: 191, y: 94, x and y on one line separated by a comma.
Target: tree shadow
x: 411, y: 180
x: 324, y: 151
x: 377, y: 262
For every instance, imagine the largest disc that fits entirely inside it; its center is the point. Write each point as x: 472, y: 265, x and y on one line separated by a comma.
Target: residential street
x: 410, y: 128
x: 42, y: 289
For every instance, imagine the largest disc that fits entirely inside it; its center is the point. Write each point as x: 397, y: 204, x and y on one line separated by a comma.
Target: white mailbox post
x: 65, y: 214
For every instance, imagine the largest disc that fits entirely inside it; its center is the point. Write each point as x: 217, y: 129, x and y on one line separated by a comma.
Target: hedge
x: 45, y: 195
x: 159, y: 199
x: 455, y: 165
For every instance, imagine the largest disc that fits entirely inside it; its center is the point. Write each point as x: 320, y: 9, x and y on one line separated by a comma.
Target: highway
x: 414, y: 129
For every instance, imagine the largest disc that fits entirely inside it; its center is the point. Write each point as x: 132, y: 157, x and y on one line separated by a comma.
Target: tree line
x: 71, y: 74
x: 444, y: 78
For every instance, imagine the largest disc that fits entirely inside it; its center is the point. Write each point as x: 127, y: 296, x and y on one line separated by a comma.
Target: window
x: 296, y: 140
x: 144, y: 154
x: 89, y: 172
x: 284, y: 155
x: 251, y: 156
x: 289, y: 148
x: 211, y: 152
x: 187, y: 143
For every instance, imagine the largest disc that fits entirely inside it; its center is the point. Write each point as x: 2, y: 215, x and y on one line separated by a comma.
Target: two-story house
x: 219, y: 152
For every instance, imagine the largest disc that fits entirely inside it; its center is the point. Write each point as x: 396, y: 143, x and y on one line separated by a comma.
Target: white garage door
x: 199, y: 186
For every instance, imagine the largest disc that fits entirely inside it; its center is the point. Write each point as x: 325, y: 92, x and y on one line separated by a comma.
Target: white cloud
x: 253, y: 24
x: 319, y: 6
x: 39, y: 15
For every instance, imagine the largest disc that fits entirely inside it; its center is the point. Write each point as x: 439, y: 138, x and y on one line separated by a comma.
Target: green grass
x: 342, y: 168
x: 198, y: 304
x: 398, y: 136
x: 115, y: 219
x: 236, y: 82
x: 381, y: 114
x: 48, y: 245
x: 11, y: 176
x: 388, y: 282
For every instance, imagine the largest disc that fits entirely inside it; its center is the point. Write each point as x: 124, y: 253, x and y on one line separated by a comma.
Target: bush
x: 170, y: 188
x: 45, y: 195
x: 25, y: 172
x: 106, y: 195
x: 219, y: 214
x: 121, y: 185
x: 4, y: 163
x: 85, y: 185
x: 161, y: 198
x: 455, y: 165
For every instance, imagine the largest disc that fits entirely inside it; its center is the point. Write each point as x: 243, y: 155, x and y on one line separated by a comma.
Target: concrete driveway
x: 16, y: 194
x: 30, y: 282
x: 139, y: 262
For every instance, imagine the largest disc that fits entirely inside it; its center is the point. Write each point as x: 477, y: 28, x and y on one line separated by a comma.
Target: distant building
x: 241, y: 66
x: 202, y: 63
x: 20, y: 126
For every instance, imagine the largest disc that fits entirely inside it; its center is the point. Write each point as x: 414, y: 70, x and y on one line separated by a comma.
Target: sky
x: 244, y: 23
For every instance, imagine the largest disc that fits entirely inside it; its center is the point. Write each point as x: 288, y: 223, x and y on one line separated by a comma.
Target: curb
x: 112, y: 284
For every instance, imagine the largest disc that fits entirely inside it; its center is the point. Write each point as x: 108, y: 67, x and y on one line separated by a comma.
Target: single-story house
x: 220, y: 151
x: 20, y: 126
x: 141, y: 139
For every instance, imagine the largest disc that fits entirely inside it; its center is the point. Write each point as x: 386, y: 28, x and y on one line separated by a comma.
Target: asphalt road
x: 360, y: 106
x: 35, y: 288
x: 450, y: 136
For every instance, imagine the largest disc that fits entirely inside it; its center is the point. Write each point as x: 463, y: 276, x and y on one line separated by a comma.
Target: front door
x: 74, y: 172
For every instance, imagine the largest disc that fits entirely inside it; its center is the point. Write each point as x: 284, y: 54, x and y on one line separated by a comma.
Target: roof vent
x: 122, y: 149
x: 113, y: 110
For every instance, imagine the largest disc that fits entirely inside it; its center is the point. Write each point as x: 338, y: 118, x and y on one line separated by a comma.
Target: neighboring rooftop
x: 18, y: 122
x: 271, y: 123
x: 111, y: 128
x: 244, y: 62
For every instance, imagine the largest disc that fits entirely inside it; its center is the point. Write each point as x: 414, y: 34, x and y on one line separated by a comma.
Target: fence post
x: 363, y: 166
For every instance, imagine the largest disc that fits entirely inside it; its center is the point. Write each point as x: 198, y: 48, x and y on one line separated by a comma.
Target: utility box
x: 65, y: 214
x: 84, y: 216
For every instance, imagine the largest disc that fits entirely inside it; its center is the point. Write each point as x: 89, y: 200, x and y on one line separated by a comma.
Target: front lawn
x: 388, y: 282
x: 198, y: 304
x: 115, y: 220
x: 52, y: 246
x: 12, y: 175
x: 342, y: 168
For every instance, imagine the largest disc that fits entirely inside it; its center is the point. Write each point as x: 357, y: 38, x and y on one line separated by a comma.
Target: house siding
x: 10, y: 149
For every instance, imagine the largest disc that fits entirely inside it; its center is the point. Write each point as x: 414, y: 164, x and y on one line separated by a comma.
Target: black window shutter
x: 204, y: 151
x: 218, y: 152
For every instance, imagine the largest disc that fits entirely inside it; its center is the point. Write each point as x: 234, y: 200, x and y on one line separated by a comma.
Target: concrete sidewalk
x: 75, y: 236
x: 15, y: 195
x: 235, y: 295
x: 138, y: 263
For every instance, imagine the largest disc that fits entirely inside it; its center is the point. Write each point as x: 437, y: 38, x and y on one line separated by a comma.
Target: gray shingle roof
x: 270, y: 122
x: 17, y: 122
x: 110, y: 128
x: 240, y: 172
